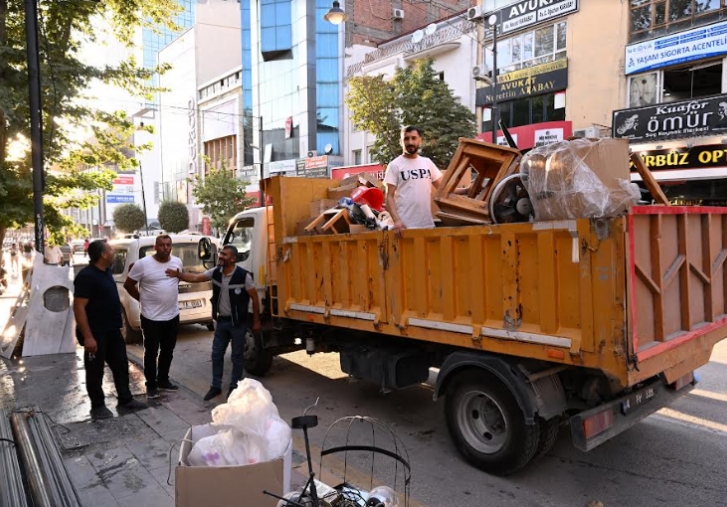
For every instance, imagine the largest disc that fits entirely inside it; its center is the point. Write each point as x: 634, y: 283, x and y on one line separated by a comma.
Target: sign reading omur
x: 538, y: 80
x: 689, y: 118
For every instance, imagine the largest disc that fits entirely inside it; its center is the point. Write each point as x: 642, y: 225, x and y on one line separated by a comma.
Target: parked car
x: 194, y: 305
x: 77, y: 246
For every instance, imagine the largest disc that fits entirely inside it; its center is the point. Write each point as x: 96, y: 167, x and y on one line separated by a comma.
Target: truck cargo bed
x: 632, y: 296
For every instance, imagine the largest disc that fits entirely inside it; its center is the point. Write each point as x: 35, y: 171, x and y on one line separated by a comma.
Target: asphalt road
x: 677, y: 457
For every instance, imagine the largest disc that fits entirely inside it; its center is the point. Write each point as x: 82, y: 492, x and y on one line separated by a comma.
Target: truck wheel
x: 487, y: 425
x: 257, y: 360
x: 130, y: 334
x: 549, y: 431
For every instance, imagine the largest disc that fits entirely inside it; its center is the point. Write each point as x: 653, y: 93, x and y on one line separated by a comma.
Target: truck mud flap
x: 591, y: 428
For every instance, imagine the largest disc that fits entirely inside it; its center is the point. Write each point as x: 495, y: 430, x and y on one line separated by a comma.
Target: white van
x: 194, y: 298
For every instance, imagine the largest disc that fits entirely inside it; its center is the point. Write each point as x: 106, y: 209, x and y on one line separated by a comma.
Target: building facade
x: 675, y: 110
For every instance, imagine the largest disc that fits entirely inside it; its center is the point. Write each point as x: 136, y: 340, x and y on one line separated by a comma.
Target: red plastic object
x: 371, y: 196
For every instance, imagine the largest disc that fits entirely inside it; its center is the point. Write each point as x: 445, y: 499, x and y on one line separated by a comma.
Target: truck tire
x: 487, y: 425
x: 549, y: 431
x: 131, y: 335
x: 257, y: 360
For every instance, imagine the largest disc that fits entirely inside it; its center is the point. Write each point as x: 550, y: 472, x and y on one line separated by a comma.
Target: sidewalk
x: 117, y: 462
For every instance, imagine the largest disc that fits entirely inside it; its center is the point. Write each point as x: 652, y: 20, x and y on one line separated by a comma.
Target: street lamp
x: 492, y: 22
x: 335, y: 14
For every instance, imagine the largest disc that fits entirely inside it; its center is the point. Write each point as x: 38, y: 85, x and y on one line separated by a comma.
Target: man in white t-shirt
x: 409, y: 180
x: 53, y: 254
x: 159, y: 298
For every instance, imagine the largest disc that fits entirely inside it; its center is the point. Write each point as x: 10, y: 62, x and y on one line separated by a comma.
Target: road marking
x: 708, y: 394
x: 691, y: 421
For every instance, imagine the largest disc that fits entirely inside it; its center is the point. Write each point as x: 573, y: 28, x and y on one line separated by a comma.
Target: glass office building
x: 291, y: 77
x: 153, y: 41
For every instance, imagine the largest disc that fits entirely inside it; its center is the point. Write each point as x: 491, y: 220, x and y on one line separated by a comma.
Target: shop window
x: 692, y: 81
x: 653, y: 18
x: 526, y: 111
x: 644, y: 89
x: 542, y: 45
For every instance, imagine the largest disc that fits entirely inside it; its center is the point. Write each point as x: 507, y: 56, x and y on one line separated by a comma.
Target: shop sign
x: 527, y: 13
x: 697, y: 157
x: 119, y: 199
x: 281, y: 166
x: 689, y: 118
x: 696, y: 44
x: 123, y: 180
x: 531, y: 136
x: 538, y: 80
x: 192, y: 140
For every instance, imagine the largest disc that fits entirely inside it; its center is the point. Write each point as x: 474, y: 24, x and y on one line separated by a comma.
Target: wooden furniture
x: 649, y: 181
x: 490, y: 164
x: 334, y: 221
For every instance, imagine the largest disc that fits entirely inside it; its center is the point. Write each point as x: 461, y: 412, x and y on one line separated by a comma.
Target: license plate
x: 188, y: 305
x: 637, y: 399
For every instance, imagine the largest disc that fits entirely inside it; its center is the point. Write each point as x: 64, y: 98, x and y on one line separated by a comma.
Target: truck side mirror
x: 204, y: 249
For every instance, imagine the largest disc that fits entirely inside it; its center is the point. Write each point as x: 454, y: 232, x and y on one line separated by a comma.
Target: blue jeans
x: 224, y: 333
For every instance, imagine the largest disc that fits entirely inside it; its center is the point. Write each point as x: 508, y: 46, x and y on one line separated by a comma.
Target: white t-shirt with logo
x: 158, y: 293
x: 413, y: 179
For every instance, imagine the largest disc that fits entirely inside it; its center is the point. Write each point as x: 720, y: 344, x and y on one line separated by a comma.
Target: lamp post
x: 335, y: 14
x: 36, y: 119
x: 492, y: 22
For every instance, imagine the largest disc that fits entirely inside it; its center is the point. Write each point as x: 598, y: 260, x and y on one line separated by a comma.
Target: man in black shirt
x: 97, y: 309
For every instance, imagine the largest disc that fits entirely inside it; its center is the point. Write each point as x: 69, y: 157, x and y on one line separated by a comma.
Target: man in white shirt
x: 53, y: 254
x: 159, y: 298
x: 409, y: 179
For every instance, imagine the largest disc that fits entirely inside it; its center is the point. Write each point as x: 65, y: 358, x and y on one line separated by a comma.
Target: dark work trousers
x: 226, y: 332
x: 160, y: 338
x: 111, y: 351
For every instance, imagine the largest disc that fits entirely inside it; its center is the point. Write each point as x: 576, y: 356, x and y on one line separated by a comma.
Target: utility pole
x: 492, y: 21
x: 261, y: 153
x: 36, y: 120
x: 143, y: 197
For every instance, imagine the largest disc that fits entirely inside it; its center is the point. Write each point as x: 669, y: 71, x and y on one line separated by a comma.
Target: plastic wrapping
x: 248, y: 430
x: 583, y: 178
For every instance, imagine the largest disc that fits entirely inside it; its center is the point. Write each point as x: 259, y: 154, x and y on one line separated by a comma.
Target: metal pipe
x: 48, y: 443
x: 495, y: 113
x: 37, y: 481
x: 13, y: 492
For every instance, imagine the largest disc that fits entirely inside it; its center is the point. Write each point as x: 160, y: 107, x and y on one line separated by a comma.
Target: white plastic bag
x: 277, y: 437
x: 248, y: 409
x: 228, y: 447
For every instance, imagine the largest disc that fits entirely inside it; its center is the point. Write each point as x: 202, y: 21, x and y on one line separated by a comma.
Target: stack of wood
x: 488, y: 164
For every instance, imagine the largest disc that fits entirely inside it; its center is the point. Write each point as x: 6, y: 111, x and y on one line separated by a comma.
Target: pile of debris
x: 488, y: 184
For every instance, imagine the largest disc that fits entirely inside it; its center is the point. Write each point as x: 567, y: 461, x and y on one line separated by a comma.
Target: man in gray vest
x: 232, y: 291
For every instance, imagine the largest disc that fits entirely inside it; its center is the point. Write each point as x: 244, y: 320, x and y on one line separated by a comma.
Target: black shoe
x: 214, y: 392
x: 132, y: 406
x: 152, y: 393
x: 169, y: 387
x: 101, y: 412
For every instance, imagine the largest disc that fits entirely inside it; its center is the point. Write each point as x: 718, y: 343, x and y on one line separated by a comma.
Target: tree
x: 221, y: 196
x: 414, y: 96
x: 129, y: 217
x: 63, y: 28
x: 173, y: 216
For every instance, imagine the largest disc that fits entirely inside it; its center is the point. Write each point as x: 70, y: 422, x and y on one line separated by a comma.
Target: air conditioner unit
x: 589, y: 133
x: 481, y: 73
x: 474, y: 13
x: 312, y: 153
x: 398, y: 13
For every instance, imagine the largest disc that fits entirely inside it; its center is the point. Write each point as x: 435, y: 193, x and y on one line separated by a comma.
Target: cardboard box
x: 345, y: 191
x: 565, y: 191
x: 318, y: 207
x: 229, y: 486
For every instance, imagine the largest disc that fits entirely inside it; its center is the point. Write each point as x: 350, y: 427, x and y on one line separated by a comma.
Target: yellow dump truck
x: 598, y: 323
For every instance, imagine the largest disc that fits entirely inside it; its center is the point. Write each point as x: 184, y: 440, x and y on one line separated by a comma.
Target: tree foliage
x: 63, y: 28
x: 414, y: 96
x: 221, y: 196
x: 173, y: 216
x: 129, y: 217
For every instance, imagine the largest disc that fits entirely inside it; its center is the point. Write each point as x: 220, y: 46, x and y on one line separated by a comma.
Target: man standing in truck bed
x: 232, y: 291
x: 409, y: 180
